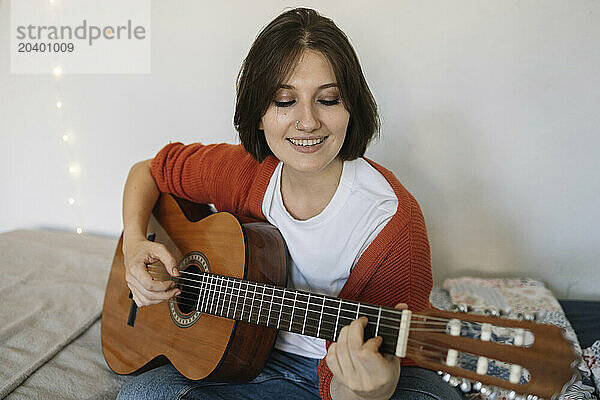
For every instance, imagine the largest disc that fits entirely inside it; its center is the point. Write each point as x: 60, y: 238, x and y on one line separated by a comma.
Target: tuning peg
x: 531, y: 397
x: 485, y: 390
x: 493, y: 394
x: 511, y: 395
x: 465, y: 386
x: 492, y: 311
x: 462, y: 307
x: 540, y: 315
x: 446, y: 378
x: 477, y: 386
x: 454, y: 382
x: 505, y: 310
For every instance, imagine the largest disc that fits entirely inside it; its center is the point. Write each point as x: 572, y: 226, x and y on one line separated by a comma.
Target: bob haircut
x: 272, y: 57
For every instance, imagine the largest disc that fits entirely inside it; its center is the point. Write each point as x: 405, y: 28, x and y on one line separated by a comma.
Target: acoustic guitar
x: 234, y: 300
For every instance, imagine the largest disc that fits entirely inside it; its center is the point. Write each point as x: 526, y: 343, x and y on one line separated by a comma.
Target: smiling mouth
x: 307, y: 142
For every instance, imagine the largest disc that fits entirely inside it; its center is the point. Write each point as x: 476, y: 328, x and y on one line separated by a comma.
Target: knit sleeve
x: 402, y: 276
x: 220, y: 174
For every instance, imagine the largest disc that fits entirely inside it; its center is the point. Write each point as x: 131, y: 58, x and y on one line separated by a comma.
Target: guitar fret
x: 252, y: 302
x: 337, y: 320
x: 270, y: 306
x: 214, y: 285
x: 321, y: 316
x: 281, y: 309
x: 244, y: 304
x: 230, y: 297
x: 378, y: 319
x: 224, y: 295
x: 199, y: 294
x: 293, y: 308
x: 262, y: 299
x: 305, y: 314
x: 237, y: 298
x: 221, y: 294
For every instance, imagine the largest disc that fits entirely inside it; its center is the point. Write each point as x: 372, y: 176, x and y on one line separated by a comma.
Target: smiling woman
x: 305, y: 116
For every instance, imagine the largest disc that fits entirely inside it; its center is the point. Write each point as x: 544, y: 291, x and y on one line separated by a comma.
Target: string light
x: 67, y: 138
x: 74, y: 169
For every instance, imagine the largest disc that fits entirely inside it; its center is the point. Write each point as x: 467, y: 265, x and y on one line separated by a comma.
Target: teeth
x: 306, y: 142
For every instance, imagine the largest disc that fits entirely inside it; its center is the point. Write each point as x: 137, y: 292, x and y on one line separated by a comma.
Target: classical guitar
x: 224, y: 324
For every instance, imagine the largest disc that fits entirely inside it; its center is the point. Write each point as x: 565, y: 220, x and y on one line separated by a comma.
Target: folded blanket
x: 52, y: 290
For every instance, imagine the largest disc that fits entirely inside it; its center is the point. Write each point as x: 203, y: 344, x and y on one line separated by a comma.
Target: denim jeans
x: 285, y: 375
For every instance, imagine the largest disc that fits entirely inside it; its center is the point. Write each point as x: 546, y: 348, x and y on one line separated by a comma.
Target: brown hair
x: 273, y: 55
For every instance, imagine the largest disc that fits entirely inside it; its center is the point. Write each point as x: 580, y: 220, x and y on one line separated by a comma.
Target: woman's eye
x: 284, y: 103
x: 330, y: 102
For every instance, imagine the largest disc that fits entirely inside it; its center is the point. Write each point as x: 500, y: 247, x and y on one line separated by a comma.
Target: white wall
x: 490, y: 118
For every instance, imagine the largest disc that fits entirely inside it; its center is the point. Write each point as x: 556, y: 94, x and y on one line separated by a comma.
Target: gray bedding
x: 51, y: 298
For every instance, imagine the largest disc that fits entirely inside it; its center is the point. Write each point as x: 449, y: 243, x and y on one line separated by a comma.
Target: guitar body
x: 200, y: 345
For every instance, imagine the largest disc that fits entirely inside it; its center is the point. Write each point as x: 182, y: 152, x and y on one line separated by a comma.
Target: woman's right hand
x: 138, y: 254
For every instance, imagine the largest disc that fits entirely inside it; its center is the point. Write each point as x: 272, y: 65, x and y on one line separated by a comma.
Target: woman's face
x: 311, y: 97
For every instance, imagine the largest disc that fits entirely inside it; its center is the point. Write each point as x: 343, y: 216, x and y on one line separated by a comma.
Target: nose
x: 309, y: 119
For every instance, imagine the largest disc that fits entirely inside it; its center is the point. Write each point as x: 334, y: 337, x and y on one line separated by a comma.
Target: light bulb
x: 74, y: 169
x: 71, y: 201
x: 57, y: 71
x: 58, y: 104
x: 65, y: 137
x: 79, y: 230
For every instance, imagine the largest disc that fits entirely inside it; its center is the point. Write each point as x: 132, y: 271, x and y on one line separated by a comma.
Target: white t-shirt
x: 325, y: 248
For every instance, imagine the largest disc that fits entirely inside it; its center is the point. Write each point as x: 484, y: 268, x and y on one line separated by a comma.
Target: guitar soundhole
x: 187, y: 300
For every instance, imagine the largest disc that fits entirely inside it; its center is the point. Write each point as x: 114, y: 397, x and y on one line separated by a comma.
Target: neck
x: 312, y: 184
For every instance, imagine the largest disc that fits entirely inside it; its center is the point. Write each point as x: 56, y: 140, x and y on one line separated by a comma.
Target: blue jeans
x: 285, y: 375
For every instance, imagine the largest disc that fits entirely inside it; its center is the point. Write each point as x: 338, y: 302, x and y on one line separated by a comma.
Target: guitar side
x: 213, y: 348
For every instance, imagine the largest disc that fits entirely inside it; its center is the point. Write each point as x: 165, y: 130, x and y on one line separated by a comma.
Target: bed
x: 52, y: 293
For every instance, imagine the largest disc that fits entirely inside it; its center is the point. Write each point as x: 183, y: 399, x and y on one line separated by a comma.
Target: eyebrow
x: 325, y: 86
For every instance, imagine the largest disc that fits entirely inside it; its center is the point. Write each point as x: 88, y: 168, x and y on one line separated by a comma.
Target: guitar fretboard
x: 291, y: 310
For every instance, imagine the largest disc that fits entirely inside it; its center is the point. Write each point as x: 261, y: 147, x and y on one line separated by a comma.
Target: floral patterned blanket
x: 515, y: 296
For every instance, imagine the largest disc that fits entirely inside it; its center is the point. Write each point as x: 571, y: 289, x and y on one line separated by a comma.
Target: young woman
x: 305, y: 116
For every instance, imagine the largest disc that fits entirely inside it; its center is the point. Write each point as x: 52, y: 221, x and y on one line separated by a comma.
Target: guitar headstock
x: 522, y: 356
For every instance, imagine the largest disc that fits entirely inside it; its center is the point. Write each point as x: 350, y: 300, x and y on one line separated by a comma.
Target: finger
x: 401, y: 306
x: 332, y: 361
x: 152, y: 295
x: 356, y: 333
x: 139, y: 272
x: 343, y: 353
x: 372, y: 345
x: 160, y: 252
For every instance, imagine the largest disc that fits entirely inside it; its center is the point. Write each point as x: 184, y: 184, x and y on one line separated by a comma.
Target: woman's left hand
x: 360, y: 366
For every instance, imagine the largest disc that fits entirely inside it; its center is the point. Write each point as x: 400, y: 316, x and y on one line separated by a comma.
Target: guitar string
x: 213, y: 289
x: 215, y: 295
x: 272, y: 287
x: 293, y: 315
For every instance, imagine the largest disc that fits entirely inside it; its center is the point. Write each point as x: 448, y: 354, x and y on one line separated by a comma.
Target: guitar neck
x: 297, y: 311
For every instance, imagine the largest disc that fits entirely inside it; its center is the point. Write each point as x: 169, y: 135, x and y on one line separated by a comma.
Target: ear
x: 260, y: 126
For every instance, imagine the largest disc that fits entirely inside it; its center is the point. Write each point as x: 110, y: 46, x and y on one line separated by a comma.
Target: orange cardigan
x: 396, y: 266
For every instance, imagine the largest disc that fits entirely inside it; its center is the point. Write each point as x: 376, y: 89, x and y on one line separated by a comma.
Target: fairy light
x: 74, y: 169
x: 73, y: 199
